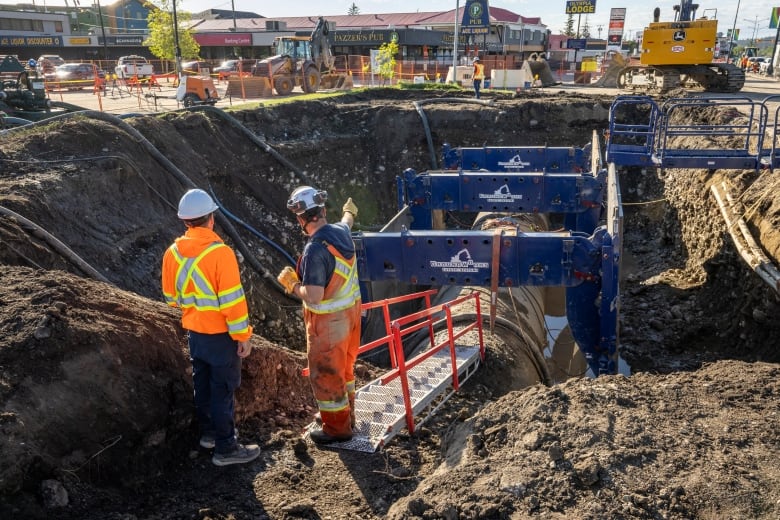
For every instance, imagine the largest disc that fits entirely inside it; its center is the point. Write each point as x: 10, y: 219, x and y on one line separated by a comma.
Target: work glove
x: 350, y: 206
x: 289, y: 279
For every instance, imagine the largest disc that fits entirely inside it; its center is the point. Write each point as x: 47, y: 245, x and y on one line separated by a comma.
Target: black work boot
x: 321, y: 437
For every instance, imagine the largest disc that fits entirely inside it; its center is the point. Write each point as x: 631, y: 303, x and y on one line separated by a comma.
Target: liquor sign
x: 617, y: 21
x: 576, y: 43
x: 476, y: 17
x: 20, y: 40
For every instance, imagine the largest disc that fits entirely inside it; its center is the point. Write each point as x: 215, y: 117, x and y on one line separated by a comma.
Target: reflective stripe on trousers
x: 332, y: 342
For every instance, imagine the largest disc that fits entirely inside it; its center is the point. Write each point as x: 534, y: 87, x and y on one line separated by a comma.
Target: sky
x: 752, y: 19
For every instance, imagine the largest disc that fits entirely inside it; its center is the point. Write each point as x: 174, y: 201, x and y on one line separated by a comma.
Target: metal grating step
x: 379, y: 409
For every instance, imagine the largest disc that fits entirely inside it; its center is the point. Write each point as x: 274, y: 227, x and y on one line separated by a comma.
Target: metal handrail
x: 401, y: 372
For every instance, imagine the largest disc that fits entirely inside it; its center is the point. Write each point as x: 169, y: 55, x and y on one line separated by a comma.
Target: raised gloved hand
x: 350, y: 206
x: 289, y: 279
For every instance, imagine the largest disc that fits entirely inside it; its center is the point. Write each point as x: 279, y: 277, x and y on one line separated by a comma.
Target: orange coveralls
x: 332, y: 343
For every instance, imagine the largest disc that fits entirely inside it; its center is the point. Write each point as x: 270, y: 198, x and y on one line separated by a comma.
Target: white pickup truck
x: 133, y: 66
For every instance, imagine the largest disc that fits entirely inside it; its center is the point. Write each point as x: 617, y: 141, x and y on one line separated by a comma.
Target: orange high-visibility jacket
x: 200, y: 274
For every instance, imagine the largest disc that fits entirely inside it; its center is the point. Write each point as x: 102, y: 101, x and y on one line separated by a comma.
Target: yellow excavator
x: 680, y: 54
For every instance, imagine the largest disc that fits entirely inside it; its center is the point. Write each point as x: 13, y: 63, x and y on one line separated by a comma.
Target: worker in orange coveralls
x: 200, y: 275
x: 326, y: 281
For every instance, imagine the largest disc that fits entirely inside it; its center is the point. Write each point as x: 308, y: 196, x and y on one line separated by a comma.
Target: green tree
x: 161, y: 35
x: 586, y: 28
x: 386, y: 60
x: 569, y: 29
x: 354, y: 10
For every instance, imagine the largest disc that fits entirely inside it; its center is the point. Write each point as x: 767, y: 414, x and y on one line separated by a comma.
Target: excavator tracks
x: 715, y: 77
x: 648, y: 79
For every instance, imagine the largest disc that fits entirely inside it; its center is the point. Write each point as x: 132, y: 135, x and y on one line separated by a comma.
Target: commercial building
x: 120, y: 28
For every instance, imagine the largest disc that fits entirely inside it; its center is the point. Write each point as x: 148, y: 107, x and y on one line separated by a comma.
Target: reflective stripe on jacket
x: 343, y: 289
x: 200, y: 275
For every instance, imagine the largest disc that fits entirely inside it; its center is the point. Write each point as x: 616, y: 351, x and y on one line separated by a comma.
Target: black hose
x: 235, y: 123
x: 223, y: 221
x: 55, y: 243
x: 251, y: 229
x: 428, y: 136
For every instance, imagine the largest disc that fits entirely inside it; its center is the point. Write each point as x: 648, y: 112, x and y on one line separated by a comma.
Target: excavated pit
x: 94, y: 375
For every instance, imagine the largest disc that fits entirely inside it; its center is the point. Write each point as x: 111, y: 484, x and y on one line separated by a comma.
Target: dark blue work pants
x: 216, y: 374
x: 477, y: 86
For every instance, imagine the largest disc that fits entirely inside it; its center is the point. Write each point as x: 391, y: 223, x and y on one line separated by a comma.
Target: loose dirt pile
x: 96, y: 416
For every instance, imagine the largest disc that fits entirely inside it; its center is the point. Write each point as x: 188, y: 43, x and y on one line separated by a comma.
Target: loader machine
x: 680, y: 53
x: 304, y: 61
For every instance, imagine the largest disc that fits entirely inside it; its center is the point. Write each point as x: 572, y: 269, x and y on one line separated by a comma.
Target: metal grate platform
x: 379, y: 409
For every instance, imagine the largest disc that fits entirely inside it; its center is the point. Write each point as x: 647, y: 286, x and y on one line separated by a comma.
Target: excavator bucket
x: 537, y: 67
x: 339, y: 80
x: 248, y: 87
x: 610, y: 77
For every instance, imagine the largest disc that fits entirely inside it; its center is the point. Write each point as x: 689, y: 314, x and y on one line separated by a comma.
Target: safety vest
x: 202, y: 297
x: 479, y: 71
x: 343, y: 289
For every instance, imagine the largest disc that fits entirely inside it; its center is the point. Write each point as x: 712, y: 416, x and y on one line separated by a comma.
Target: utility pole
x: 755, y: 25
x: 733, y: 30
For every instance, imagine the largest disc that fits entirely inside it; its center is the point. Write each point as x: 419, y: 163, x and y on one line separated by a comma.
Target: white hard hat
x: 305, y: 198
x: 195, y: 204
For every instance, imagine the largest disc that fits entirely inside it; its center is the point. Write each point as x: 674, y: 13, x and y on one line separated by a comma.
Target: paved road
x: 123, y: 101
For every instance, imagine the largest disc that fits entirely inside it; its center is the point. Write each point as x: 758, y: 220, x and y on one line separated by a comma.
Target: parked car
x: 47, y: 63
x: 233, y: 67
x: 192, y: 68
x: 133, y: 66
x: 75, y: 76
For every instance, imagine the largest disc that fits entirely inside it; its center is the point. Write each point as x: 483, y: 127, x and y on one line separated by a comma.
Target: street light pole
x: 103, y: 31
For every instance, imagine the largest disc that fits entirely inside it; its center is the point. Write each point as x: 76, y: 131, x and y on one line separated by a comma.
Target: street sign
x: 580, y: 6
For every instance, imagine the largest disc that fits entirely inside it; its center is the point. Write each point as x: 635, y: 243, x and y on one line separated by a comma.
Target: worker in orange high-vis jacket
x: 326, y: 281
x: 200, y: 275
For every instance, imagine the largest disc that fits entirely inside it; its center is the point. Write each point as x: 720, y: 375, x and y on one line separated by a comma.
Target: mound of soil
x: 95, y: 386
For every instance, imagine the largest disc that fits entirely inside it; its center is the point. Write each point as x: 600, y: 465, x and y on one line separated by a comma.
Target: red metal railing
x: 399, y: 328
x: 428, y: 317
